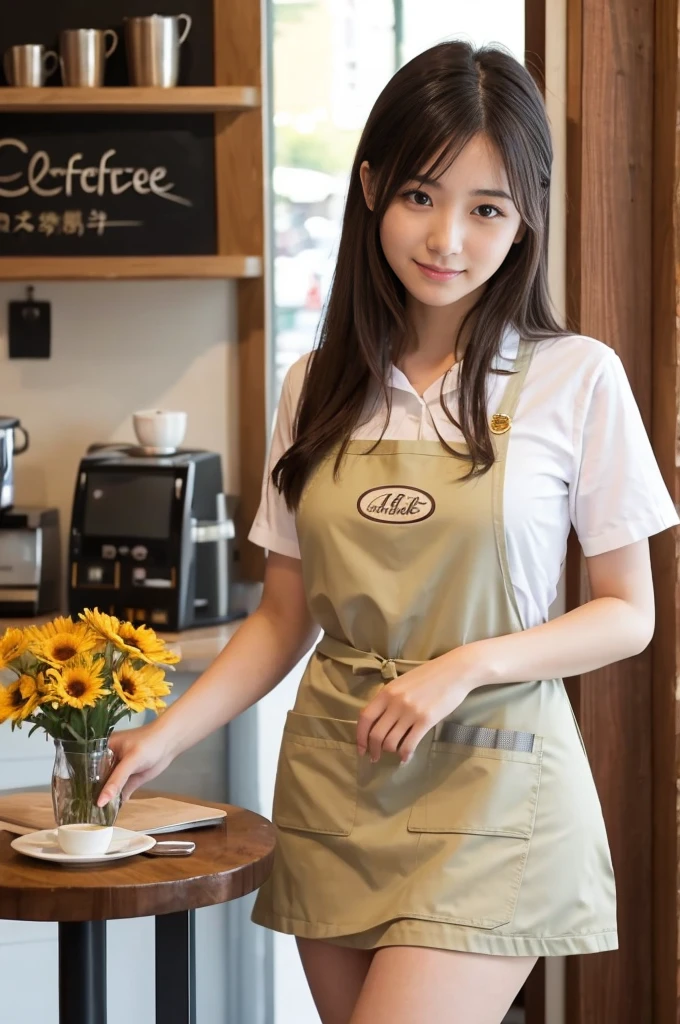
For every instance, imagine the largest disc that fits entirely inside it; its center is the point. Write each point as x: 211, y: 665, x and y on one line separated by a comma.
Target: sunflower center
x: 76, y: 688
x: 64, y: 651
x: 17, y: 699
x: 127, y: 686
x: 131, y: 642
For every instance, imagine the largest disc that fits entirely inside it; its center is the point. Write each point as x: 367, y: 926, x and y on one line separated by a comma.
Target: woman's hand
x: 405, y: 709
x: 141, y: 755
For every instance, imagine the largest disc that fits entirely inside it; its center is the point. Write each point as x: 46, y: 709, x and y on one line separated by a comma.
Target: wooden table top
x: 230, y: 860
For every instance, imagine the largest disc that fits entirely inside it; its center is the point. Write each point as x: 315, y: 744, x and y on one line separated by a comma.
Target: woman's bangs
x: 431, y: 154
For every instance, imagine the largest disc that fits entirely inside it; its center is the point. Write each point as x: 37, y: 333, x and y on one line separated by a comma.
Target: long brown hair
x: 435, y: 104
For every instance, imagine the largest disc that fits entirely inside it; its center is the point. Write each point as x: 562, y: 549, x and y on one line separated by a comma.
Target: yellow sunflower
x: 60, y: 641
x: 78, y: 684
x: 142, y: 642
x: 102, y: 625
x: 130, y: 685
x: 155, y: 682
x: 62, y: 624
x: 21, y: 698
x: 12, y: 645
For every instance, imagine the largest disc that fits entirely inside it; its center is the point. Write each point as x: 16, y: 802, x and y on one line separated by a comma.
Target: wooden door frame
x: 622, y: 249
x: 666, y: 547
x: 609, y: 249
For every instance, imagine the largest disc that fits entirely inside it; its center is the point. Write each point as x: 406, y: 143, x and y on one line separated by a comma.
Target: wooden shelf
x: 131, y: 100
x: 97, y: 268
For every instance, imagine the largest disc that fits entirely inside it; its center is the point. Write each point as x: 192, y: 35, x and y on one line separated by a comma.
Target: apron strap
x: 510, y: 399
x: 514, y: 387
x: 363, y: 662
x: 509, y: 403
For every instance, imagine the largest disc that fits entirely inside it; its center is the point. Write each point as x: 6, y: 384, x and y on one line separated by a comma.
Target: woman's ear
x: 521, y: 232
x: 366, y: 183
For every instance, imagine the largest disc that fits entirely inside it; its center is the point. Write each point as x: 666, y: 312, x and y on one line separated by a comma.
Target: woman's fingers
x: 115, y: 782
x: 135, y: 781
x: 141, y: 755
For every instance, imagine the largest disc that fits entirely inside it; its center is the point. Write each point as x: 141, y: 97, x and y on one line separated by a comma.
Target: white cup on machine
x: 160, y: 429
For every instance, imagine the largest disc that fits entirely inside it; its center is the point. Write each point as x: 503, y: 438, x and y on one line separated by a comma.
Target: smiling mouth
x: 437, y: 272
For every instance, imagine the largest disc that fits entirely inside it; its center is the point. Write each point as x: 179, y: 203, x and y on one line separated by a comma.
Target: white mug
x: 158, y: 428
x: 85, y: 840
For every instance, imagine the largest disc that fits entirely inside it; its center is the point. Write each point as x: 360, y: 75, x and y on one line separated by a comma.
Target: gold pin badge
x: 500, y: 423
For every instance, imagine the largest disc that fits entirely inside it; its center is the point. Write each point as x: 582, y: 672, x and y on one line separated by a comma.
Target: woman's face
x: 465, y: 221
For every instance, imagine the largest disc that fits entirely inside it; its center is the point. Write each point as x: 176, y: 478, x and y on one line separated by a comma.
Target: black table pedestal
x: 176, y: 968
x: 82, y: 972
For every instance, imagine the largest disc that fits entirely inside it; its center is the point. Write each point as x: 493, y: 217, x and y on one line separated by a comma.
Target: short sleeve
x: 618, y: 495
x: 274, y: 525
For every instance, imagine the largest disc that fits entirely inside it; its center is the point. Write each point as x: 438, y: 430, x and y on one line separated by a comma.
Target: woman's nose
x: 446, y: 235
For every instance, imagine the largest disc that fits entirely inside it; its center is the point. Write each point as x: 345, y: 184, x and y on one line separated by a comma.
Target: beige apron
x: 491, y: 839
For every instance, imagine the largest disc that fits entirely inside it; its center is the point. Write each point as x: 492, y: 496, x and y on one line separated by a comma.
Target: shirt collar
x: 504, y: 361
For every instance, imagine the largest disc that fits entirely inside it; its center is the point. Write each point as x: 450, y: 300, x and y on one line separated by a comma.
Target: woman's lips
x: 438, y: 275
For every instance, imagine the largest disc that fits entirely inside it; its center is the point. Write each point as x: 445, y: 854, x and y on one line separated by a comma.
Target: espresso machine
x: 152, y: 536
x: 30, y: 549
x: 8, y: 449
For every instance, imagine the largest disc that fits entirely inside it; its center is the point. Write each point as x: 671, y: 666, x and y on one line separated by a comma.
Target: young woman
x: 438, y: 824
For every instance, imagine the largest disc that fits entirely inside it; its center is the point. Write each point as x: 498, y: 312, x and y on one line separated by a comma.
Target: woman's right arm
x: 262, y: 651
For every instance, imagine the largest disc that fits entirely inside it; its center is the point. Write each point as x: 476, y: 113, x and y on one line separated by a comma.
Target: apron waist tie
x: 363, y: 662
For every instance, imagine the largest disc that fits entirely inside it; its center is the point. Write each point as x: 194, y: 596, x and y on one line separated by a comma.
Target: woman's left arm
x: 616, y: 623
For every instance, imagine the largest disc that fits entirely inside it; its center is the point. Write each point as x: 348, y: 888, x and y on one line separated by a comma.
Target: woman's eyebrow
x: 497, y: 193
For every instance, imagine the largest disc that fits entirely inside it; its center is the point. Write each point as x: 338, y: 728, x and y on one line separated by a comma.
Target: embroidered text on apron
x: 491, y: 839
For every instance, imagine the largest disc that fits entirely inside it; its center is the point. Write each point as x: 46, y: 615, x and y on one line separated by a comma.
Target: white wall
x: 119, y: 346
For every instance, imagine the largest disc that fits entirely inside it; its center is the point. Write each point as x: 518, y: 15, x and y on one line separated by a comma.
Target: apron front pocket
x: 476, y: 814
x: 316, y: 788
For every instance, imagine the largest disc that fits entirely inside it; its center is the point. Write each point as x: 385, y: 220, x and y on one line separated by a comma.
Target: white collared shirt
x: 578, y: 454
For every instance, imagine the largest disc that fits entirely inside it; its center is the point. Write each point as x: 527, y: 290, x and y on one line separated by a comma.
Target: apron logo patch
x: 396, y: 504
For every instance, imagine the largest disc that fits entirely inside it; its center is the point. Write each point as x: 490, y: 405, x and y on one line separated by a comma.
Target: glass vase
x: 78, y: 777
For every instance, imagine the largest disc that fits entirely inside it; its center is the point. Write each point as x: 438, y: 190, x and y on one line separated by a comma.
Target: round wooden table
x: 230, y: 860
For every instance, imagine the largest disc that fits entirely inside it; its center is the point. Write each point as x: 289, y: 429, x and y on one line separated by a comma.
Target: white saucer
x: 44, y: 846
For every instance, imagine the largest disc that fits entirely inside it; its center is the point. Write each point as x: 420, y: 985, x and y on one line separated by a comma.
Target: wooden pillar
x: 666, y: 547
x: 239, y: 161
x: 610, y: 290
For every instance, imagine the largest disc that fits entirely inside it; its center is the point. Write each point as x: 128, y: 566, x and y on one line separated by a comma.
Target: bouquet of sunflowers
x: 77, y: 680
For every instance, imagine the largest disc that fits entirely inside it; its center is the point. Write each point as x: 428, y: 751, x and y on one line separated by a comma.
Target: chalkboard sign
x: 107, y: 185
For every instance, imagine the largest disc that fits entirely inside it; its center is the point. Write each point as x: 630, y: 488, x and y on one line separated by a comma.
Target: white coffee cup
x: 158, y: 428
x: 85, y: 840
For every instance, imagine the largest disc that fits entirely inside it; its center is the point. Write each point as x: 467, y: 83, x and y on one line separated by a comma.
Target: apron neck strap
x: 523, y: 359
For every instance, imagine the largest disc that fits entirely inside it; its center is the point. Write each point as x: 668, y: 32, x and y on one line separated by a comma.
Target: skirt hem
x: 460, y: 938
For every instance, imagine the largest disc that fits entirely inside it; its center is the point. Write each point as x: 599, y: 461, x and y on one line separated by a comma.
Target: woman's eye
x: 487, y: 206
x: 415, y: 192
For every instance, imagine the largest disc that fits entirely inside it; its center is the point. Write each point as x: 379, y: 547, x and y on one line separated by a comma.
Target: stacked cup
x: 83, y: 55
x: 152, y: 43
x: 29, y: 65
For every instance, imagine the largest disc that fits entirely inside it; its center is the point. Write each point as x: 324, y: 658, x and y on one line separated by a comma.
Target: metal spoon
x: 172, y: 848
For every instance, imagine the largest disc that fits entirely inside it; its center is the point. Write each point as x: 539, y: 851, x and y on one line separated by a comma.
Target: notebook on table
x: 152, y: 815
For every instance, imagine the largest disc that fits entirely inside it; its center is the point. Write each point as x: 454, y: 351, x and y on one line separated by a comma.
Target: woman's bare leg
x: 412, y: 984
x: 335, y: 975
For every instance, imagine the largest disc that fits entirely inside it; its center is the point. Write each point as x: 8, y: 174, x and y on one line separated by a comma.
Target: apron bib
x: 491, y: 839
